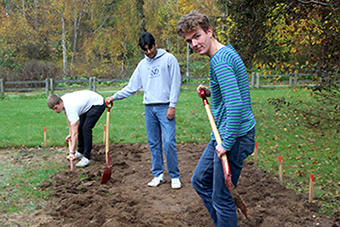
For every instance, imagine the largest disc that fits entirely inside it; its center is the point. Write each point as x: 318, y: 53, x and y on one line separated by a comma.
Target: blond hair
x: 53, y: 100
x: 192, y: 21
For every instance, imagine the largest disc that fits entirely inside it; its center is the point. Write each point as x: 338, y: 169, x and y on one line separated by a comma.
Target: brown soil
x: 126, y: 200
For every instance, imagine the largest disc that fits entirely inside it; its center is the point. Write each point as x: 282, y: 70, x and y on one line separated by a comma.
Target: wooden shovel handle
x: 218, y: 139
x: 107, y: 134
x: 234, y: 194
x: 217, y: 136
x: 71, y: 159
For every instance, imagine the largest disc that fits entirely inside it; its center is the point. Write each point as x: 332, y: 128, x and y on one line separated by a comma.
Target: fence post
x: 257, y: 80
x: 46, y: 82
x: 252, y: 80
x: 290, y: 80
x: 90, y: 83
x: 94, y: 83
x: 2, y: 87
x: 51, y: 86
x: 295, y: 80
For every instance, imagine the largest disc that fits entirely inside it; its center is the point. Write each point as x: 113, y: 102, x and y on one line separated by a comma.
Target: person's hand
x: 202, y: 87
x: 220, y: 151
x: 109, y: 100
x: 68, y: 138
x: 71, y: 156
x: 170, y: 113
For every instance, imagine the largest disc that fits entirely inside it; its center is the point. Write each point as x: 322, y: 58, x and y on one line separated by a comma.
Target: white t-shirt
x: 79, y: 102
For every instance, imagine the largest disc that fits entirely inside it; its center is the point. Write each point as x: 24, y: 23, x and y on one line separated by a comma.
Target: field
x: 36, y: 180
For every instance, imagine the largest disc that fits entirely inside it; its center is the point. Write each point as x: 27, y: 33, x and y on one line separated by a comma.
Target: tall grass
x: 304, y: 151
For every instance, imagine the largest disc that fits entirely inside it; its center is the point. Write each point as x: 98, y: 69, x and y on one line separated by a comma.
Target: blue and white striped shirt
x: 230, y: 96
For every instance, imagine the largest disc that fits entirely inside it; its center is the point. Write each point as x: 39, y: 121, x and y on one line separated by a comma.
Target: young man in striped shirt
x: 232, y: 111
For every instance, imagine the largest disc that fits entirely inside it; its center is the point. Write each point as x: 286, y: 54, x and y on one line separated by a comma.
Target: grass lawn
x: 303, y: 151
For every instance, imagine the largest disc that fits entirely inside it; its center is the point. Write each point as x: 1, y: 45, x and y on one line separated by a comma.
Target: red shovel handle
x: 204, y: 97
x: 108, y: 106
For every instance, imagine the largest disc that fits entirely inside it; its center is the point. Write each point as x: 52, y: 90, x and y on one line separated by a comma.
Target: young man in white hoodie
x: 159, y: 76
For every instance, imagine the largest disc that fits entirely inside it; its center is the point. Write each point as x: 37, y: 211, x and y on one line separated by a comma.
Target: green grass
x: 21, y: 174
x: 304, y: 151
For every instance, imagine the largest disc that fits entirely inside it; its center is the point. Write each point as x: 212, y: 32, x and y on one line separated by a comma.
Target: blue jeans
x: 158, y: 126
x: 209, y: 183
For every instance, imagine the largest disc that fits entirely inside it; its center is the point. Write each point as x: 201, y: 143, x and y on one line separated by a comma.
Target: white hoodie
x: 160, y: 78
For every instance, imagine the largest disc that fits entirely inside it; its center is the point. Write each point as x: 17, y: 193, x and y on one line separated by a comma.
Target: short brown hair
x: 192, y: 21
x: 53, y: 100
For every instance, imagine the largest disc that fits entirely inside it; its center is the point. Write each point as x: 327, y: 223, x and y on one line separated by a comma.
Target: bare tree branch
x: 111, y: 3
x: 100, y: 25
x: 313, y: 2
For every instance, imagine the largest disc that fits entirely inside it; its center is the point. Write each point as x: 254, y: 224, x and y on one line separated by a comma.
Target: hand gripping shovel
x: 227, y: 175
x: 108, y: 168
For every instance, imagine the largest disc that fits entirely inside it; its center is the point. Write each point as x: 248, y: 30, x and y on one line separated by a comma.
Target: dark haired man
x: 159, y: 76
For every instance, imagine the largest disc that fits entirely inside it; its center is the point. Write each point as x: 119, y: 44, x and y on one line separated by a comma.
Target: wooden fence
x: 50, y: 85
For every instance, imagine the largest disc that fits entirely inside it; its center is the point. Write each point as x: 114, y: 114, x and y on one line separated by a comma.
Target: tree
x: 312, y: 30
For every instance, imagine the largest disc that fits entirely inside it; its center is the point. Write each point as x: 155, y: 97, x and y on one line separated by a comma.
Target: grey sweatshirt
x: 159, y: 77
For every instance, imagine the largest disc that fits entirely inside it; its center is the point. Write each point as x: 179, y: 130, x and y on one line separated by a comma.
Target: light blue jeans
x: 209, y: 183
x: 158, y: 126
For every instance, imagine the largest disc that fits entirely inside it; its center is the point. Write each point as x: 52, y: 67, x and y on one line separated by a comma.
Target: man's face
x: 58, y: 108
x: 151, y: 52
x: 199, y: 41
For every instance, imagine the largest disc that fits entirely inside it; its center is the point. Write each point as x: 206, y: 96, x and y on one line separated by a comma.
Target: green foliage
x: 5, y: 56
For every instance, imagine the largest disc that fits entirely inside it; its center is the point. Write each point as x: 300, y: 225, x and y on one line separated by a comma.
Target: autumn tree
x: 310, y: 31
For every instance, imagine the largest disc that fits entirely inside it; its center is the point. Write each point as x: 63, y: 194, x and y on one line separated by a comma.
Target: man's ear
x: 210, y: 32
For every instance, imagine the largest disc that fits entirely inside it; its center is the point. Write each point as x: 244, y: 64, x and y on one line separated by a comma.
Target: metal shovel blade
x: 107, y: 174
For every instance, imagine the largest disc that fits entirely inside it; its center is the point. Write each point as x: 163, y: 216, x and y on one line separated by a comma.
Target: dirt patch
x: 126, y: 200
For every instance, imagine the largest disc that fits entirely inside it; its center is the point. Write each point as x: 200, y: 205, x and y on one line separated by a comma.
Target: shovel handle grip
x: 108, y: 106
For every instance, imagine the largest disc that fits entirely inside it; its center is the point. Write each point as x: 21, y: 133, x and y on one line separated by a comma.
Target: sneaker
x: 157, y: 181
x: 83, y: 162
x: 78, y: 155
x: 176, y: 183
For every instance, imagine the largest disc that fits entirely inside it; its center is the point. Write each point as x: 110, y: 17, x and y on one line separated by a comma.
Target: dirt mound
x: 126, y: 200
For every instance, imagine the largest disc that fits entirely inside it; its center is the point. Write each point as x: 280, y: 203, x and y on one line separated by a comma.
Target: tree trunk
x: 141, y: 16
x: 177, y: 35
x: 168, y: 42
x: 76, y: 27
x: 63, y: 40
x: 36, y: 27
x: 23, y: 8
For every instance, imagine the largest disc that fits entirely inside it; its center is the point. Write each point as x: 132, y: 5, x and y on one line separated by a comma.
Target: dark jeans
x: 87, y: 121
x: 208, y: 179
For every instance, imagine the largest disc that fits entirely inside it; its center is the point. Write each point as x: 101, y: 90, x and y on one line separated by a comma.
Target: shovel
x: 71, y: 159
x: 108, y: 168
x: 227, y: 175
